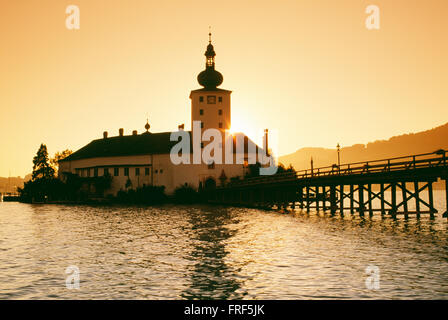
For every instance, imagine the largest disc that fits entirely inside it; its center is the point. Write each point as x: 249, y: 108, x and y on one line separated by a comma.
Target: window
x: 88, y: 172
x: 202, y: 125
x: 137, y: 171
x: 106, y: 171
x: 95, y: 172
x: 202, y: 145
x: 201, y: 99
x: 116, y: 171
x: 219, y: 99
x: 220, y: 112
x: 220, y: 125
x: 211, y: 99
x: 146, y: 171
x: 157, y: 171
x: 161, y: 170
x: 126, y: 172
x: 201, y: 112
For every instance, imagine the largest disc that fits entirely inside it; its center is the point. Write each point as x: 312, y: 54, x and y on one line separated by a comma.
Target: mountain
x: 403, y: 145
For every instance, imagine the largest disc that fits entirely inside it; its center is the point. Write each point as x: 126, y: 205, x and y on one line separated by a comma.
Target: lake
x: 215, y: 252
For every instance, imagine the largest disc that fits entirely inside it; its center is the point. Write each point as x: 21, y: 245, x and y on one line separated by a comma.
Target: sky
x: 309, y: 69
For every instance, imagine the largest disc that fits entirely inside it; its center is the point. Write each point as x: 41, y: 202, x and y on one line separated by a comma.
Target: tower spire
x: 210, y: 78
x: 209, y: 35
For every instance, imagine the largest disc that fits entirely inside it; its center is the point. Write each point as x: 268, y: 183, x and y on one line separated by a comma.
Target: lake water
x: 213, y: 252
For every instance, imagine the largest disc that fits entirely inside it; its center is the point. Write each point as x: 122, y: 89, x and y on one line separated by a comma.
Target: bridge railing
x: 418, y: 161
x: 425, y: 160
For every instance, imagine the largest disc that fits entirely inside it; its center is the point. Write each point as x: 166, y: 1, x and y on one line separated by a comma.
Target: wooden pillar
x: 445, y: 214
x: 324, y: 198
x: 361, y: 199
x: 369, y: 191
x: 341, y: 199
x: 405, y: 202
x: 393, y: 190
x: 417, y: 198
x: 307, y: 199
x: 333, y: 199
x: 382, y: 198
x: 317, y: 198
x: 431, y: 200
x: 352, y: 198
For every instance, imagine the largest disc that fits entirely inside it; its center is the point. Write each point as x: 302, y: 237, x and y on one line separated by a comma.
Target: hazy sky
x: 308, y: 68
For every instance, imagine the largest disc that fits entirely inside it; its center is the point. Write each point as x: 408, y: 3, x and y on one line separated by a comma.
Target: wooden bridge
x: 389, y: 186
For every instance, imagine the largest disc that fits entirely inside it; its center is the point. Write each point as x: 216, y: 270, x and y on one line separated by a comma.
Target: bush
x: 186, y: 194
x: 143, y: 195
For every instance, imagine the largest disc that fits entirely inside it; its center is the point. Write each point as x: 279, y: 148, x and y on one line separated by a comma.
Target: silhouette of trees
x: 41, y: 165
x: 58, y: 156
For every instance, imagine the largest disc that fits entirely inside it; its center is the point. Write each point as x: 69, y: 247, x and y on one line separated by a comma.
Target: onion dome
x: 210, y: 78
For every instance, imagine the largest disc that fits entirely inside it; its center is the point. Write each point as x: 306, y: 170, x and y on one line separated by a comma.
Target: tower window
x: 202, y: 145
x: 201, y: 112
x: 202, y: 125
x: 137, y: 171
x: 126, y: 172
x: 106, y: 171
x: 146, y: 171
x: 220, y: 125
x: 95, y: 172
x: 211, y: 99
x: 201, y: 99
x: 219, y: 99
x: 116, y: 172
x: 220, y: 112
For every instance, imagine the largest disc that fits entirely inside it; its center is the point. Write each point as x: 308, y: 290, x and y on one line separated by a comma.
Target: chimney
x: 120, y: 132
x: 105, y: 135
x: 134, y: 133
x: 266, y: 141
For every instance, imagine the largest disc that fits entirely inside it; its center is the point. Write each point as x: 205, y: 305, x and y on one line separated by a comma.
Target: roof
x: 143, y: 144
x: 211, y: 90
x: 146, y: 143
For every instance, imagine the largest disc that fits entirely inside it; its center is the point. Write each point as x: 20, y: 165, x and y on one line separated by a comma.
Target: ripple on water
x: 212, y: 252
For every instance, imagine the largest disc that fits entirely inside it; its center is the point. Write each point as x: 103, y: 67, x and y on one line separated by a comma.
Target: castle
x: 139, y: 160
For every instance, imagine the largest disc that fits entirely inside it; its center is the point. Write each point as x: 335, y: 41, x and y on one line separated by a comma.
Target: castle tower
x: 210, y: 105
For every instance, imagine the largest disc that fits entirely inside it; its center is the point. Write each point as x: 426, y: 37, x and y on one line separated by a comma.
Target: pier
x: 386, y: 186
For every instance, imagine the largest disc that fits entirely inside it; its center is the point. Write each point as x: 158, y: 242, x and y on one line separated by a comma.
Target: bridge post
x: 307, y: 199
x: 417, y: 198
x: 405, y: 202
x: 341, y: 200
x: 445, y: 214
x: 352, y: 199
x: 369, y: 190
x: 382, y: 198
x: 393, y: 191
x: 361, y: 199
x: 431, y: 200
x: 333, y: 199
x: 324, y: 199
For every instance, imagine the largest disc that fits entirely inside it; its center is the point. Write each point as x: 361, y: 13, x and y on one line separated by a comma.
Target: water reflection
x: 211, y: 277
x: 212, y: 252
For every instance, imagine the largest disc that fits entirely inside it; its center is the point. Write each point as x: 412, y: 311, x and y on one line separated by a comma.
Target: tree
x: 41, y: 166
x: 58, y: 156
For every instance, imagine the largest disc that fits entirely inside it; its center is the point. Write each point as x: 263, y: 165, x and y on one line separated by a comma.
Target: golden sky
x: 308, y: 68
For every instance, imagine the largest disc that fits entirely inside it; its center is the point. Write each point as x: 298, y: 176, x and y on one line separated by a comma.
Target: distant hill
x: 403, y: 145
